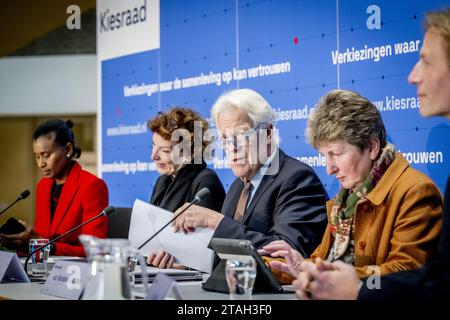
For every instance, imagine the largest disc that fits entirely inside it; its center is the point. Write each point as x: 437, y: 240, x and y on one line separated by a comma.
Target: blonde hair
x: 345, y: 115
x: 440, y: 21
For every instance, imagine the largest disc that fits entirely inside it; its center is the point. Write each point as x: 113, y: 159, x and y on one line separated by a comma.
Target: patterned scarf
x: 343, y: 211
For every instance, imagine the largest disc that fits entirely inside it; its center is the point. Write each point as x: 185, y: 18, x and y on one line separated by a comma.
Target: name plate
x: 163, y: 287
x: 67, y: 279
x: 11, y: 270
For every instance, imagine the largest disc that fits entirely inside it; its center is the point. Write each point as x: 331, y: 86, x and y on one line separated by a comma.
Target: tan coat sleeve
x: 415, y: 232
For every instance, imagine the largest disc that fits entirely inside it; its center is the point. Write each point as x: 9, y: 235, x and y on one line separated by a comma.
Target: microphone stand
x: 173, y: 219
x: 22, y: 196
x: 4, y: 210
x: 105, y: 212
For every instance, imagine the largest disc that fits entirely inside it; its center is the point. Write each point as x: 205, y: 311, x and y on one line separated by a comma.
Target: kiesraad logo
x: 111, y: 21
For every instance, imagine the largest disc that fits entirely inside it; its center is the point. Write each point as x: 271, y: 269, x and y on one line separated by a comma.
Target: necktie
x: 242, y: 203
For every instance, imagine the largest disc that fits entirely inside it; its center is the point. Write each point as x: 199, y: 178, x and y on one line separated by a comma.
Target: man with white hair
x: 274, y: 197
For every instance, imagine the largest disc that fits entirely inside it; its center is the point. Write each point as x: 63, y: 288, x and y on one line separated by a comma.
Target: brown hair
x: 165, y: 123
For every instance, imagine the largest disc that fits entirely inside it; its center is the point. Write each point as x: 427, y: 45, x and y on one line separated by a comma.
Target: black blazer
x: 289, y: 205
x: 432, y: 281
x: 171, y: 193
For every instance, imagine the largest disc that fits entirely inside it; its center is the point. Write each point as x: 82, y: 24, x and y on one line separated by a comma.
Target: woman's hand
x: 163, y: 260
x: 281, y: 248
x: 19, y: 241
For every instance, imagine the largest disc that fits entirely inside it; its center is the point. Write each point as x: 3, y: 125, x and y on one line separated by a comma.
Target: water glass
x: 39, y: 259
x: 132, y: 263
x: 241, y: 274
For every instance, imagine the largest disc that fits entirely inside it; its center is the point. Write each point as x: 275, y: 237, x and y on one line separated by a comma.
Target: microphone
x: 201, y: 194
x: 106, y: 212
x: 198, y: 197
x: 22, y: 196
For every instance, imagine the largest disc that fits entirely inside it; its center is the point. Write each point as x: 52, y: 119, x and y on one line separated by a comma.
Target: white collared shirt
x: 257, y: 178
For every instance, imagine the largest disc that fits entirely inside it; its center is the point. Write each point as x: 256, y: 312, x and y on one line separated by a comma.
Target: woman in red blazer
x: 66, y: 195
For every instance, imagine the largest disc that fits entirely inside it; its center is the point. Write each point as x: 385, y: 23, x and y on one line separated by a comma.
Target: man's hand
x: 196, y: 216
x: 337, y: 280
x: 163, y: 260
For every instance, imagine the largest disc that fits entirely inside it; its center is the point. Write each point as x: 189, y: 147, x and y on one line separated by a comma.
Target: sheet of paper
x: 189, y: 249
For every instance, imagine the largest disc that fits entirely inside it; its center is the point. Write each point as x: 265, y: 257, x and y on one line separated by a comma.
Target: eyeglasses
x: 241, y: 138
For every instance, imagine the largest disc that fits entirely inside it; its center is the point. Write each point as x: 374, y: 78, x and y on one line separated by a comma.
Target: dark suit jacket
x: 171, y: 194
x: 288, y: 205
x: 432, y: 281
x: 82, y: 197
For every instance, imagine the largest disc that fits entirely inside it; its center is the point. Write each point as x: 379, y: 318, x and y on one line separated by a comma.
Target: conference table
x: 190, y: 290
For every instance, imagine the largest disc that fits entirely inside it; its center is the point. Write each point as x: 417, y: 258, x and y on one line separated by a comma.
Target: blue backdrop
x: 287, y: 51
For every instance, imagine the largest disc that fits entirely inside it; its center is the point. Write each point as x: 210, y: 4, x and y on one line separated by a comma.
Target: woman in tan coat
x: 386, y: 216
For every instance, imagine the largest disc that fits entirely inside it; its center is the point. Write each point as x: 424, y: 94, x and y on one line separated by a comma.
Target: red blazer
x: 82, y: 197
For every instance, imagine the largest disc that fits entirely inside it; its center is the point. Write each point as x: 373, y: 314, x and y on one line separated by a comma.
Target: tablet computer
x: 233, y: 248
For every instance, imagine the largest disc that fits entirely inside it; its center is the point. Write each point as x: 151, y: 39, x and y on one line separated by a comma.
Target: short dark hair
x: 60, y: 131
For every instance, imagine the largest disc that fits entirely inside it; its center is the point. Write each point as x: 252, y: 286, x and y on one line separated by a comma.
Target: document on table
x: 189, y: 249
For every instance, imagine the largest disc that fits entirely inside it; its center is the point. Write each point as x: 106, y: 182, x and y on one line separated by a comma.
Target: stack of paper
x: 189, y: 249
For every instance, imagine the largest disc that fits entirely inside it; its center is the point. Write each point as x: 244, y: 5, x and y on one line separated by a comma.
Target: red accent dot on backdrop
x: 296, y: 40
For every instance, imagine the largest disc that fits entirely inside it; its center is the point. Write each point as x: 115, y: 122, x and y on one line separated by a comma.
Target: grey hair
x: 258, y: 109
x: 345, y: 115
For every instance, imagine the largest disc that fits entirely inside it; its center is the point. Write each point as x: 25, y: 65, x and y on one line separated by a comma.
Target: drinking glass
x: 241, y: 274
x: 39, y: 259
